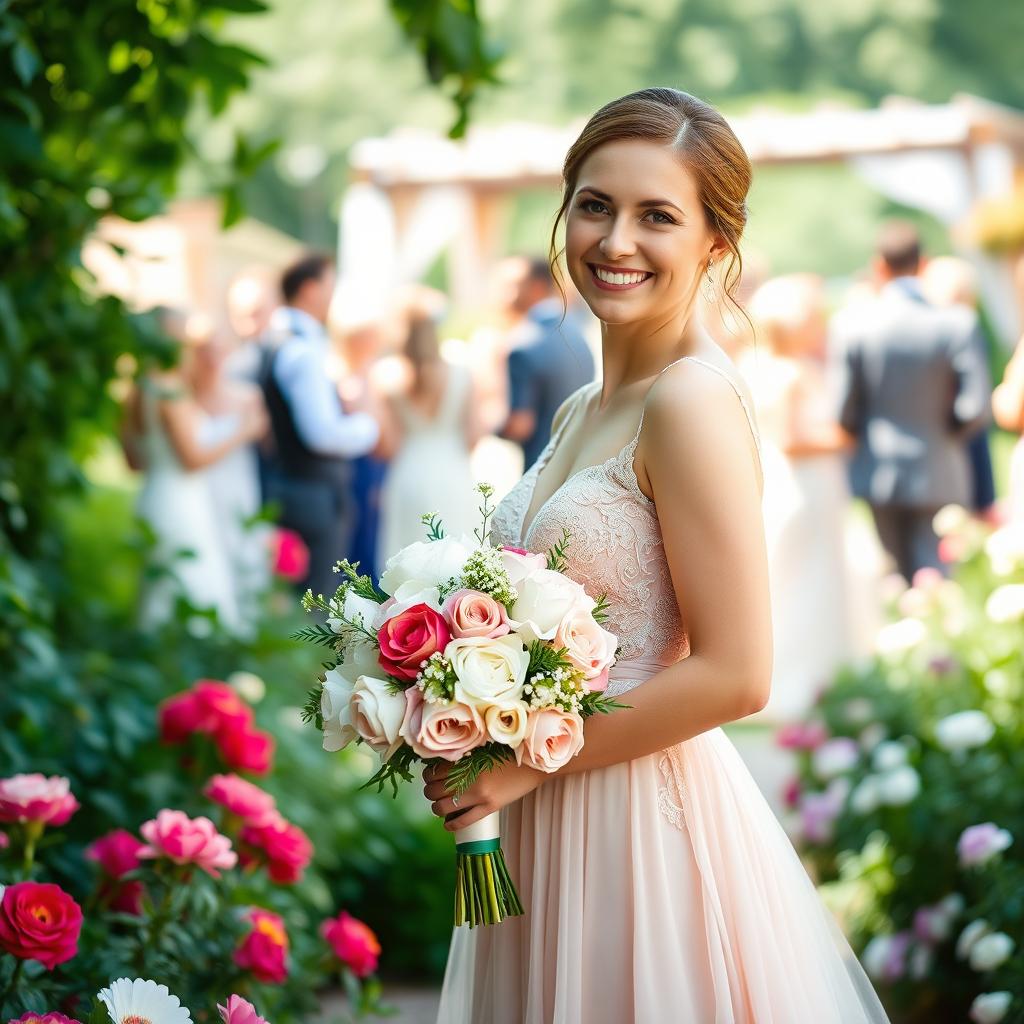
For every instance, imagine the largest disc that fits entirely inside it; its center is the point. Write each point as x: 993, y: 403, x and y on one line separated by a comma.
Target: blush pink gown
x: 660, y: 890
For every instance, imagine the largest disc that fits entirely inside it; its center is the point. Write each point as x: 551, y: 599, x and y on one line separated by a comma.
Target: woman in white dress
x: 165, y: 439
x: 806, y: 496
x: 657, y: 884
x: 433, y: 427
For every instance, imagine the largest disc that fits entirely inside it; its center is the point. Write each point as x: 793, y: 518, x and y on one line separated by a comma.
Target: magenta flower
x: 242, y: 798
x: 185, y: 840
x: 44, y: 1018
x: 36, y: 798
x: 801, y: 736
x: 239, y: 1011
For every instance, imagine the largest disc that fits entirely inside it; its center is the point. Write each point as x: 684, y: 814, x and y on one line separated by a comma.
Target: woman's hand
x: 491, y: 792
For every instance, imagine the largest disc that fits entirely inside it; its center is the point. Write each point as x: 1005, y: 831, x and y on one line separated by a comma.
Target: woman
x: 165, y: 436
x: 657, y: 884
x: 1008, y: 411
x: 806, y: 497
x: 434, y: 426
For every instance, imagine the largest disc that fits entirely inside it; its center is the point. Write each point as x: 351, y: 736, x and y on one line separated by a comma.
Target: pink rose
x: 247, y: 749
x: 519, y: 563
x: 410, y: 638
x: 239, y: 1011
x: 241, y: 798
x: 553, y: 738
x: 290, y: 556
x: 185, y: 840
x: 39, y: 922
x: 600, y: 682
x: 353, y: 943
x: 210, y: 707
x: 470, y: 613
x: 117, y: 852
x: 801, y: 736
x: 589, y: 647
x: 285, y: 848
x: 264, y: 951
x: 441, y: 730
x: 36, y: 798
x: 44, y: 1018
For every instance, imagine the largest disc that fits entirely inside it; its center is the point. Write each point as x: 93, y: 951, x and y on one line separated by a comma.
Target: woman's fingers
x: 468, y: 817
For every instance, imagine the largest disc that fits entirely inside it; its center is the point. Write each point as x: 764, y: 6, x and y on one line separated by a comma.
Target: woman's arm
x: 699, y: 465
x: 180, y: 418
x: 474, y: 429
x: 1008, y: 397
x: 805, y: 439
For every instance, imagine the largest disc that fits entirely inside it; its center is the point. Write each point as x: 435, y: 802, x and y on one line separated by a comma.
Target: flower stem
x: 12, y: 983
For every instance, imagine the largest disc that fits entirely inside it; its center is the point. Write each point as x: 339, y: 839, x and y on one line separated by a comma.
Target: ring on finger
x: 455, y: 801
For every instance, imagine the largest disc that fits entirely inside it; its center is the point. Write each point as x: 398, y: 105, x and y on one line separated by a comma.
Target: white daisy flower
x: 142, y: 1002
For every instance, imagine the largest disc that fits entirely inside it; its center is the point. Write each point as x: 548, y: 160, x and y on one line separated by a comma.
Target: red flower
x: 36, y: 798
x: 264, y: 951
x: 117, y: 853
x: 353, y: 943
x: 285, y: 847
x: 408, y: 639
x: 243, y: 799
x: 246, y: 750
x: 291, y: 556
x: 44, y: 1018
x: 210, y: 707
x: 39, y: 922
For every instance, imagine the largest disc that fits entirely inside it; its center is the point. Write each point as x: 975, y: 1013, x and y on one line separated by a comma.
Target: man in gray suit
x: 915, y: 387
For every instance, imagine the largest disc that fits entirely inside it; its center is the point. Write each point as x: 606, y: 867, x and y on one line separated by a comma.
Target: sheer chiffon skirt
x: 658, y: 890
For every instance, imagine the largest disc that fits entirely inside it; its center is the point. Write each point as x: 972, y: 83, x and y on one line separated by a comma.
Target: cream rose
x: 545, y: 598
x: 553, y: 738
x: 339, y: 730
x: 471, y: 613
x: 519, y: 564
x: 426, y: 563
x: 507, y: 723
x: 589, y: 647
x: 489, y: 671
x: 377, y: 713
x: 441, y: 730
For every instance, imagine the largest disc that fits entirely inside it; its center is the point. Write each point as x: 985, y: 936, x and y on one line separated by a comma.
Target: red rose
x: 210, y: 707
x: 286, y: 849
x: 247, y: 749
x: 264, y: 951
x: 353, y: 943
x: 39, y: 922
x: 412, y: 636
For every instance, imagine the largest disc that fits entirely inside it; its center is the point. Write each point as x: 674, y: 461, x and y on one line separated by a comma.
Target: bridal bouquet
x: 467, y: 655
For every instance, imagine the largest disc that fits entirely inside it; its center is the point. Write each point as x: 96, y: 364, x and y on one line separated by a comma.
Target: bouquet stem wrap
x: 484, y: 892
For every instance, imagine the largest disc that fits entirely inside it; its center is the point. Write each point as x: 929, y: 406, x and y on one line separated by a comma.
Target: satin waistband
x: 636, y: 669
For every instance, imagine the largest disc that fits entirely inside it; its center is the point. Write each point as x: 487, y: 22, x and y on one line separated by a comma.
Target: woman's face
x: 637, y: 240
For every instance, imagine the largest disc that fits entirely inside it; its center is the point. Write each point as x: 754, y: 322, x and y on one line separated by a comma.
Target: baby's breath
x: 561, y: 688
x: 437, y: 679
x: 485, y: 572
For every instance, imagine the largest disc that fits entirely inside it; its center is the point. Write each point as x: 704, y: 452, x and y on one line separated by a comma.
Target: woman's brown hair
x: 706, y: 145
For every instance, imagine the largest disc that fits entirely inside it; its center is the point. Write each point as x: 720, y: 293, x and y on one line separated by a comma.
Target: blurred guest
x: 805, y: 491
x: 165, y: 428
x: 548, y: 360
x: 721, y: 319
x: 309, y: 472
x: 1008, y: 407
x: 432, y: 429
x: 250, y: 299
x: 915, y: 387
x: 949, y: 281
x: 233, y: 480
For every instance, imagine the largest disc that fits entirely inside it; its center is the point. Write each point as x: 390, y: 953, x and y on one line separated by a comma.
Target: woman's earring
x: 708, y: 284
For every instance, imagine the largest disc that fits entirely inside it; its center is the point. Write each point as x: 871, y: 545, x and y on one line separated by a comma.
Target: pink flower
x: 410, y: 638
x: 980, y: 843
x: 353, y: 943
x: 801, y: 735
x: 241, y: 798
x: 39, y: 922
x: 818, y: 811
x: 36, y: 798
x: 247, y: 749
x: 441, y: 730
x: 239, y: 1011
x: 185, y: 840
x: 600, y: 682
x: 286, y: 849
x: 210, y: 707
x: 4, y: 841
x: 117, y: 852
x: 519, y: 563
x: 791, y: 792
x: 44, y: 1018
x: 471, y: 613
x: 553, y: 738
x: 290, y: 555
x: 951, y: 549
x: 588, y: 646
x: 927, y: 579
x: 264, y: 951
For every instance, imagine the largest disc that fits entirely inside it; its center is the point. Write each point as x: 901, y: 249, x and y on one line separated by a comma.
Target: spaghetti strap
x: 752, y: 423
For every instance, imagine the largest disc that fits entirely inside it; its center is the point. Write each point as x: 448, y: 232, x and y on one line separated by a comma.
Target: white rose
x: 964, y: 730
x: 377, y: 713
x: 356, y: 609
x: 991, y: 951
x: 899, y: 637
x: 545, y: 598
x: 339, y: 731
x: 949, y: 519
x: 588, y: 646
x: 489, y: 671
x: 1006, y: 603
x: 506, y: 723
x: 990, y: 1007
x: 889, y: 755
x: 866, y: 797
x: 520, y: 566
x: 426, y: 563
x: 899, y: 787
x: 970, y: 935
x: 407, y: 596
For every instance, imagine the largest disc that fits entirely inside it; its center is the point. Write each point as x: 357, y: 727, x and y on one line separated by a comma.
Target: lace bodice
x: 616, y: 547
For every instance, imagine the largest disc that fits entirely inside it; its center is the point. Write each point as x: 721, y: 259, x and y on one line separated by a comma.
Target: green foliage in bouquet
x: 908, y: 798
